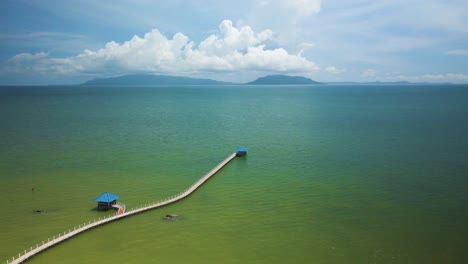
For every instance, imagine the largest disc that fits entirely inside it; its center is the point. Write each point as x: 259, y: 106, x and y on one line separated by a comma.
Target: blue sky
x: 66, y: 42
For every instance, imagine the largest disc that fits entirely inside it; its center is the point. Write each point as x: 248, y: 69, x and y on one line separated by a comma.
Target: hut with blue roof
x: 106, y: 200
x: 242, y: 151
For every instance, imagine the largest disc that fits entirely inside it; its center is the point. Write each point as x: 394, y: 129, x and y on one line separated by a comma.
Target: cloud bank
x: 458, y: 52
x: 373, y: 75
x: 232, y: 49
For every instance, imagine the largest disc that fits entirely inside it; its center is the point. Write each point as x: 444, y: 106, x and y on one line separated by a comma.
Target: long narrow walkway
x: 120, y: 214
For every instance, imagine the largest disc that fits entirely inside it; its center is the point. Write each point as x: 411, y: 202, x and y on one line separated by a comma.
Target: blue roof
x: 107, y: 197
x: 242, y: 149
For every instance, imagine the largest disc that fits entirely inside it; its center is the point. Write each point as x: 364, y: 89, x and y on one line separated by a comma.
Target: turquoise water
x: 335, y: 174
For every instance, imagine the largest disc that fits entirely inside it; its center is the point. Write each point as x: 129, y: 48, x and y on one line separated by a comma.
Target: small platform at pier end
x: 242, y: 151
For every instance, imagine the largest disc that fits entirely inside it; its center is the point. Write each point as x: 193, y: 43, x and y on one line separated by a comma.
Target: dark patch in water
x: 171, y: 217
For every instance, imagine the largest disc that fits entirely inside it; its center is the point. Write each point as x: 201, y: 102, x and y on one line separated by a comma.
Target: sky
x: 69, y: 42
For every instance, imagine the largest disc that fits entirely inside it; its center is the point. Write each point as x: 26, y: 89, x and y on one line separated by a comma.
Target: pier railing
x: 43, y: 245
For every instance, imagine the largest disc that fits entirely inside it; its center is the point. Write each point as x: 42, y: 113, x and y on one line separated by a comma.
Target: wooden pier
x: 121, y: 213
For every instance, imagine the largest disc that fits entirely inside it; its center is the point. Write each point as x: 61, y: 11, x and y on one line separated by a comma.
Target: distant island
x: 282, y: 80
x: 148, y: 79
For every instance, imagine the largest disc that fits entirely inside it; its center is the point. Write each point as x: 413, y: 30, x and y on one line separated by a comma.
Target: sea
x: 334, y: 173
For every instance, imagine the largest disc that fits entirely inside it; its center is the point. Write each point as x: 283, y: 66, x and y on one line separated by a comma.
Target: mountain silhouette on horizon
x: 149, y: 79
x: 282, y: 80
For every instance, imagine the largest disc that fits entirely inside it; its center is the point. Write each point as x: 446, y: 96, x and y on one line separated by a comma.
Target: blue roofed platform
x: 242, y: 151
x: 106, y: 200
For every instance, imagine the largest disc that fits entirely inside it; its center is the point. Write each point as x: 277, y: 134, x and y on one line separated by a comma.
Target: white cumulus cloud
x: 303, y: 47
x: 458, y: 52
x: 28, y: 57
x: 369, y: 73
x: 232, y: 39
x: 333, y: 69
x: 446, y: 77
x: 293, y: 7
x: 305, y: 7
x: 457, y: 78
x: 231, y: 50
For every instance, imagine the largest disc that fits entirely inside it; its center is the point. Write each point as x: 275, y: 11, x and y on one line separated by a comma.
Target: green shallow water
x: 335, y: 174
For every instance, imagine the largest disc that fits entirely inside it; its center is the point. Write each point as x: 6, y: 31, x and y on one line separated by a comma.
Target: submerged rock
x: 170, y: 217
